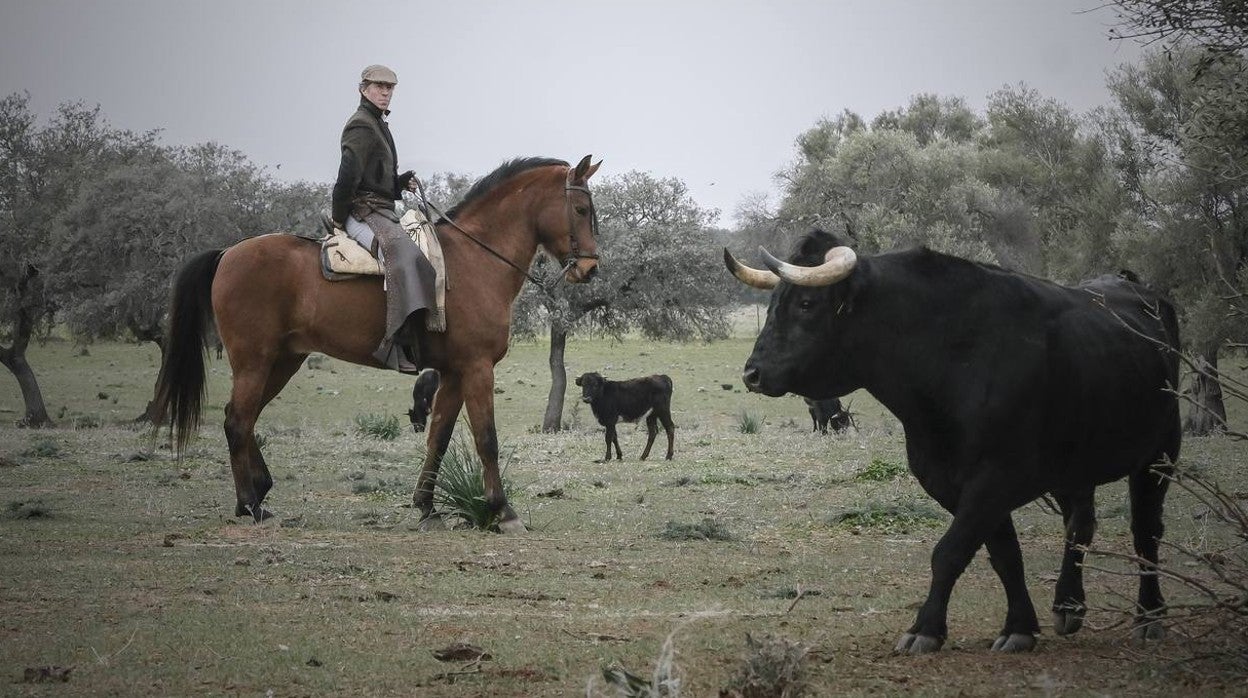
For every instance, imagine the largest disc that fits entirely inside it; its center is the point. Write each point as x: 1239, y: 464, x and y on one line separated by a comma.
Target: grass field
x: 126, y: 567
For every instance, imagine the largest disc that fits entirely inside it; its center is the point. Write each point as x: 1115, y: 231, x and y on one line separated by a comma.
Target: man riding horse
x: 363, y: 206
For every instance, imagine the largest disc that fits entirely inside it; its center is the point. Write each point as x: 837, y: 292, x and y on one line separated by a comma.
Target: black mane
x: 502, y: 172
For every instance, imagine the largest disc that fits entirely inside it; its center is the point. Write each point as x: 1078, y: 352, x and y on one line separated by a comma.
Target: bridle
x: 568, y: 262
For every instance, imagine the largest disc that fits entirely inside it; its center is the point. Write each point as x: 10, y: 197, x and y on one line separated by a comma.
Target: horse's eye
x: 582, y: 210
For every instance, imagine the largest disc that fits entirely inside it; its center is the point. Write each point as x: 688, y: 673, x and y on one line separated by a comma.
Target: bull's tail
x: 181, y: 385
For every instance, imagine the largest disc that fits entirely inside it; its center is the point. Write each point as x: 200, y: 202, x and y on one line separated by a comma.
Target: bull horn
x: 758, y: 278
x: 838, y: 263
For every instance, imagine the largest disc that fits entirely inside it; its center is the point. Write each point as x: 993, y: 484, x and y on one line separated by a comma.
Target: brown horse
x: 273, y: 307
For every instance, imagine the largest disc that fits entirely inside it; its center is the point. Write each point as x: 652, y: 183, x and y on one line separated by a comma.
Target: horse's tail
x: 181, y: 385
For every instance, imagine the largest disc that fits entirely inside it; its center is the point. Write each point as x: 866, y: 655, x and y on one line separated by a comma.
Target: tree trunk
x: 156, y: 335
x: 553, y: 421
x: 1207, y: 412
x: 14, y: 358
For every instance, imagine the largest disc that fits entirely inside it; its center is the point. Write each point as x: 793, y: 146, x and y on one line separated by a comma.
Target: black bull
x: 1008, y: 387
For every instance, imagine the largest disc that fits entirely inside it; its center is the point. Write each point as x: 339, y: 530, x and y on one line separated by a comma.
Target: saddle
x: 344, y: 258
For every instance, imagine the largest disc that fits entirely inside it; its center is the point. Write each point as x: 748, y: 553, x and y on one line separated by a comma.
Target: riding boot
x: 401, y: 351
x: 408, y: 340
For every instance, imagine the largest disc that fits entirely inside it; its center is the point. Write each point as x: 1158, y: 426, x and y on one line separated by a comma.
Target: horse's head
x: 570, y: 236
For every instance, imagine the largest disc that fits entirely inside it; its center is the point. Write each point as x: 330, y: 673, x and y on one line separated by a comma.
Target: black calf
x: 422, y: 398
x: 828, y: 412
x: 629, y: 401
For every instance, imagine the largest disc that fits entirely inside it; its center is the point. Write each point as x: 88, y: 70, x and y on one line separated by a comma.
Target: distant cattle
x: 422, y: 398
x: 1008, y: 387
x: 829, y: 412
x: 630, y: 400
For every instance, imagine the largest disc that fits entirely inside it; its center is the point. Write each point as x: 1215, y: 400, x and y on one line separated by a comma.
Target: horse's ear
x: 582, y: 167
x: 593, y: 169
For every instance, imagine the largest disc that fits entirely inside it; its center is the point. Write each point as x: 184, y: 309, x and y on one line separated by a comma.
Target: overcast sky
x: 712, y: 92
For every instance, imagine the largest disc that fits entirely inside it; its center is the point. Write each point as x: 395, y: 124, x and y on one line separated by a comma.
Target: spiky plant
x: 378, y: 426
x: 460, y: 487
x: 749, y: 423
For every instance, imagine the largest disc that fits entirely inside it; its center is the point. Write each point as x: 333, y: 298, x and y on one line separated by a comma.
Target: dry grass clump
x: 663, y: 682
x: 773, y: 668
x: 706, y: 529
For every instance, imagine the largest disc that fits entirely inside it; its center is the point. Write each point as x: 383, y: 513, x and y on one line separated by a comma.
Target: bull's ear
x: 578, y: 380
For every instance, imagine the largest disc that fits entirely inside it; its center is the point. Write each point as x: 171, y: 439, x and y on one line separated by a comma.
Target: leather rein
x: 568, y: 262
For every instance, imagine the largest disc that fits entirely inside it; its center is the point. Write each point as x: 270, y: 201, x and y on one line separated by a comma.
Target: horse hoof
x: 256, y: 512
x: 512, y: 526
x: 1067, y: 622
x: 917, y: 644
x: 1149, y: 629
x: 1015, y: 642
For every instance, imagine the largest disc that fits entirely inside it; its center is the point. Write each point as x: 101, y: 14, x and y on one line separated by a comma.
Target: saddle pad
x: 341, y: 257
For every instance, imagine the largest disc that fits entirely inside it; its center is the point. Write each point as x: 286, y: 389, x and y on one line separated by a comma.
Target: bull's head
x: 419, y: 415
x: 591, y: 386
x: 793, y: 350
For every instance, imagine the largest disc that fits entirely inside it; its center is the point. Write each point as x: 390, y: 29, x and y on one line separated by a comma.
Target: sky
x: 711, y: 92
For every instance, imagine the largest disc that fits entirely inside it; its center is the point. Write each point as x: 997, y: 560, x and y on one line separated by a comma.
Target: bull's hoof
x: 511, y: 526
x: 1015, y: 642
x: 432, y: 522
x: 918, y: 644
x: 1067, y: 622
x: 1148, y: 629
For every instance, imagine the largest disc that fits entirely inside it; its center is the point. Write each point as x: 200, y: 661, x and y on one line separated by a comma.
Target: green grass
x: 749, y: 423
x: 378, y: 426
x: 889, y: 518
x: 881, y: 470
x: 129, y: 566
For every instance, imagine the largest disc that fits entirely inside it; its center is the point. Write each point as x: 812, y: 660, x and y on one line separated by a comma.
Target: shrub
x: 1214, y: 571
x: 43, y: 448
x: 384, y: 427
x: 748, y: 423
x: 706, y: 529
x: 460, y: 487
x: 882, y: 471
x: 773, y: 668
x: 895, y: 518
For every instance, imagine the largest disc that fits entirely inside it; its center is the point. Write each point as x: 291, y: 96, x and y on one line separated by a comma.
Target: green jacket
x: 369, y: 164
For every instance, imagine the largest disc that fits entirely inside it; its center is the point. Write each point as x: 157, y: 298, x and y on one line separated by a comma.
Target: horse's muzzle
x: 583, y: 271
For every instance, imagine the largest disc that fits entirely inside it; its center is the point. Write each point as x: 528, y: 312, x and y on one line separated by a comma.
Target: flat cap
x: 379, y: 73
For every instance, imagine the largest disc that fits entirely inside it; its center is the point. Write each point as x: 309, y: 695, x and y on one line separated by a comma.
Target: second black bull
x: 1008, y: 387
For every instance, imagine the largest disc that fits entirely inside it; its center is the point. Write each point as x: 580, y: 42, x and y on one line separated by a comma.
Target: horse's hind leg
x: 446, y: 407
x: 254, y: 387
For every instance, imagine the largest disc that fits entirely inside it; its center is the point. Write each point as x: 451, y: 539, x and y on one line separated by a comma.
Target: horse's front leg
x: 478, y: 392
x: 446, y: 406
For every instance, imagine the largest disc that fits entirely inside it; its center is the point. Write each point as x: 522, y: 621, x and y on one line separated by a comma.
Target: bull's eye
x: 582, y: 210
x: 805, y: 304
